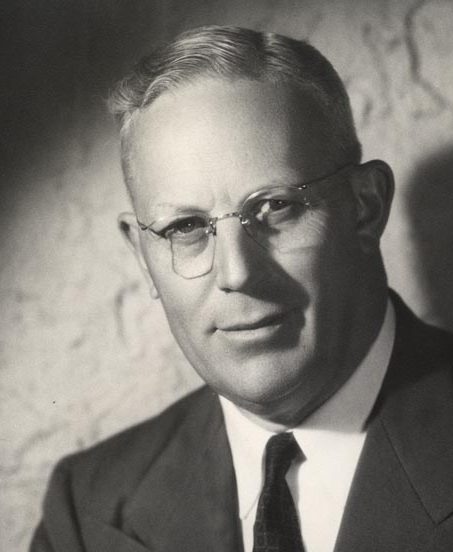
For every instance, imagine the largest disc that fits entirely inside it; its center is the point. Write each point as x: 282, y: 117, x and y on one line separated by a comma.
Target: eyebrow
x: 172, y: 209
x: 188, y: 209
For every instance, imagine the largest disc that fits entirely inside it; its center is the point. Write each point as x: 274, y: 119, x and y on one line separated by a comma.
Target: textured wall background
x: 84, y: 351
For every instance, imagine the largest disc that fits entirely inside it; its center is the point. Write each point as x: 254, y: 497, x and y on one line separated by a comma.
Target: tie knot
x: 281, y: 450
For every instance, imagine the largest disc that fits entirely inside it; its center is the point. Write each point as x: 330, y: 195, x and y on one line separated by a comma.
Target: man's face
x: 266, y: 330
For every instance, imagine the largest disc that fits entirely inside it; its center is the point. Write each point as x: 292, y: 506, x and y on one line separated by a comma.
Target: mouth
x: 278, y: 329
x: 268, y: 321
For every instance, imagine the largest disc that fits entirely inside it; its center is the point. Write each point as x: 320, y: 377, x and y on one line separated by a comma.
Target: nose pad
x: 234, y: 262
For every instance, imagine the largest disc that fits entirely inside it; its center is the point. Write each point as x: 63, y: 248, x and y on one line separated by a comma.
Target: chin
x: 263, y: 394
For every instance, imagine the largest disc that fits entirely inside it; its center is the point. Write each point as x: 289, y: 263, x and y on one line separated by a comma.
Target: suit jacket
x: 168, y: 485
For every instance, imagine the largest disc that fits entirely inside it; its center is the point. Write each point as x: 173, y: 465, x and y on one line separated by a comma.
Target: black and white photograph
x: 226, y: 279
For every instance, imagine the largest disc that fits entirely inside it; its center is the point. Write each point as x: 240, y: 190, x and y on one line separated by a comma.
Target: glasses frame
x: 211, y: 222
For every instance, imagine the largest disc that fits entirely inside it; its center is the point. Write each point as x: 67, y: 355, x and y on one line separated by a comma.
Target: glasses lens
x: 192, y: 255
x: 279, y: 219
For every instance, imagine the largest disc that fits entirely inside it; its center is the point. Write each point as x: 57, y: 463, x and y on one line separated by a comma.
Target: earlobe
x: 373, y: 187
x: 130, y: 231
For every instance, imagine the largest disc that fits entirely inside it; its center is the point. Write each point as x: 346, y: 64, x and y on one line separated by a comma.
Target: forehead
x: 206, y: 137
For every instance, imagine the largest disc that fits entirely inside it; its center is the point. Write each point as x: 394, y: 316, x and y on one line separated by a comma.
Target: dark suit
x: 168, y: 484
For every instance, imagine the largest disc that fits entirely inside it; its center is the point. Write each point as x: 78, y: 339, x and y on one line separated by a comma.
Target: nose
x: 236, y: 261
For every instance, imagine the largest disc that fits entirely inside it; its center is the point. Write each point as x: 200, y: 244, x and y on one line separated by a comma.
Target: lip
x: 267, y: 321
x: 272, y: 330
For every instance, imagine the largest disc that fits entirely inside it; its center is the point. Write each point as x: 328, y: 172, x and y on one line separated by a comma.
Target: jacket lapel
x: 403, y: 487
x: 98, y: 537
x: 188, y: 500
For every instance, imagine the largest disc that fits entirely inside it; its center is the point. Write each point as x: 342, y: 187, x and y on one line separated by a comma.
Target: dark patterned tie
x: 276, y: 526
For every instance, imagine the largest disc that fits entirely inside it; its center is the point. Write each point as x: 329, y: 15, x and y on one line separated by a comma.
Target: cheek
x: 328, y: 267
x: 180, y: 302
x: 176, y: 299
x: 183, y: 301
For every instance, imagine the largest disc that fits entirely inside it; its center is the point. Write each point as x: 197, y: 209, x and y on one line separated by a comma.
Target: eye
x: 274, y: 210
x: 278, y: 204
x: 183, y: 227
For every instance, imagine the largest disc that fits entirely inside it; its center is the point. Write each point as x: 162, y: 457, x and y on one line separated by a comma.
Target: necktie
x: 276, y: 526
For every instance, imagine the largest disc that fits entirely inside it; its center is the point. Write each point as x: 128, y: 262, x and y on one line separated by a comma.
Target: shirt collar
x: 344, y: 414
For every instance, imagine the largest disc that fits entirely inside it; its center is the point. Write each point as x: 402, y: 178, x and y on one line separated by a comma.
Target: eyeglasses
x: 279, y: 218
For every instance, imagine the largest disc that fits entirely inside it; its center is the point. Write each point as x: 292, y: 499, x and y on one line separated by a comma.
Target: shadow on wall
x: 430, y: 211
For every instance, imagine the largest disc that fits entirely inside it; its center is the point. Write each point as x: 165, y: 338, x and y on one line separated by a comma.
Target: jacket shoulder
x: 424, y: 340
x: 103, y: 476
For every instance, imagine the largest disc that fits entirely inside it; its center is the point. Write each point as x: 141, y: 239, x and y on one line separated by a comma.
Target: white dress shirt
x: 331, y: 440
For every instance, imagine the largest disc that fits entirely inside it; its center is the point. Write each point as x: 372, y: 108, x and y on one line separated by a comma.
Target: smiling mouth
x: 266, y: 322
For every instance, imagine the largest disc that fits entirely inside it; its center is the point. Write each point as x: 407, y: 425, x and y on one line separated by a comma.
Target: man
x: 326, y: 421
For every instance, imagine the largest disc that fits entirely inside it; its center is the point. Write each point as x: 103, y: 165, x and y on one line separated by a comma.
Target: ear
x: 131, y: 232
x: 373, y: 187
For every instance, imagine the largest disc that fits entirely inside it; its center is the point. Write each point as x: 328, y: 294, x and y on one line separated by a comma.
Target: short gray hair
x: 237, y: 53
